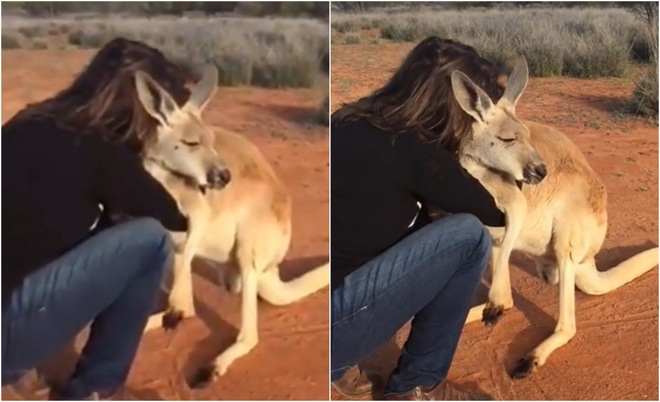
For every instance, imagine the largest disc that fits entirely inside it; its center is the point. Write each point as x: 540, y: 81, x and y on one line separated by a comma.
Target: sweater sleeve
x: 122, y: 183
x: 440, y: 180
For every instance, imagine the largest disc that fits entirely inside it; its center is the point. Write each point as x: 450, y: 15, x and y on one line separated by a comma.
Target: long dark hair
x: 418, y: 98
x: 103, y: 100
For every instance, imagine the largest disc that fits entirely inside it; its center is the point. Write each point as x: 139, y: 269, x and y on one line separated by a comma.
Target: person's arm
x: 440, y: 180
x: 122, y: 184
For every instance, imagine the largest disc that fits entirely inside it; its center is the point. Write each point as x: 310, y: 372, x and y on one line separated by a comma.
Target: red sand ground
x: 615, y: 352
x: 291, y: 360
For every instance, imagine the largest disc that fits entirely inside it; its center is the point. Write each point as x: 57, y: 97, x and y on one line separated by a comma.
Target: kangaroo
x: 246, y: 224
x: 555, y: 207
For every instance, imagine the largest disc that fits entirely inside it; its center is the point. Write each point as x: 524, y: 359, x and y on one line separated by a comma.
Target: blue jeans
x: 430, y: 275
x: 112, y: 279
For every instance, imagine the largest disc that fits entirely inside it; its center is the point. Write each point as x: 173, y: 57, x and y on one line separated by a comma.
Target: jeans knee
x: 158, y: 240
x: 477, y: 235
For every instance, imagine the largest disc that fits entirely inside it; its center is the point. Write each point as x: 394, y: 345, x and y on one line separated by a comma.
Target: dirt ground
x: 614, y: 355
x: 291, y: 359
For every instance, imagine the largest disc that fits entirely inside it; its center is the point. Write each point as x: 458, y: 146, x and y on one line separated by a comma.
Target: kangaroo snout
x: 217, y: 178
x: 534, y: 174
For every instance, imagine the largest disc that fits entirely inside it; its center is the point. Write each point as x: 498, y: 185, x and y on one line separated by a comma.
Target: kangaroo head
x: 499, y: 140
x: 184, y: 145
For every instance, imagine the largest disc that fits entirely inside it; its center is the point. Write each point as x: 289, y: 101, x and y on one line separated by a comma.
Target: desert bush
x: 346, y: 26
x: 31, y: 31
x: 94, y: 34
x: 10, y: 42
x: 355, y: 22
x: 351, y: 39
x: 323, y: 115
x: 89, y: 40
x: 644, y: 99
x: 75, y: 38
x: 270, y: 53
x: 575, y: 42
x: 39, y: 45
x: 64, y: 28
x: 399, y: 32
x: 598, y: 57
x: 641, y: 43
x: 273, y: 52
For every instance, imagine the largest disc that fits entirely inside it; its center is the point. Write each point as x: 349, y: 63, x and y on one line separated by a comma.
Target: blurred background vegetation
x: 308, y: 9
x: 267, y: 44
x: 270, y: 44
x: 575, y: 39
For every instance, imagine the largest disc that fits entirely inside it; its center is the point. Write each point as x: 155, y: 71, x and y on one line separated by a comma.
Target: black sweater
x: 377, y: 179
x: 52, y: 183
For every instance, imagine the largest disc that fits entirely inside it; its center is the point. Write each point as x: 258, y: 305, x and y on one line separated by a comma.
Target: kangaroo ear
x: 203, y: 91
x: 161, y: 107
x: 517, y: 82
x: 472, y: 99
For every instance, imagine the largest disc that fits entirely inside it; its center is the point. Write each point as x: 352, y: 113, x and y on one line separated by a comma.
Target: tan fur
x: 246, y: 225
x: 561, y: 223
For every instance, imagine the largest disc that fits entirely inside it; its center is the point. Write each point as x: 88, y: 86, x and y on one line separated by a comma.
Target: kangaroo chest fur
x: 536, y: 233
x: 218, y: 238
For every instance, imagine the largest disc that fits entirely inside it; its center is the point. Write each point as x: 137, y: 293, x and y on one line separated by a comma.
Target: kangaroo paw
x: 204, y: 376
x: 492, y: 314
x: 172, y: 319
x: 525, y: 367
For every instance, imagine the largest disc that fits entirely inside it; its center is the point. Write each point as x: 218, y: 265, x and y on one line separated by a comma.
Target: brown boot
x: 441, y: 392
x: 357, y: 382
